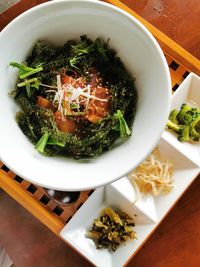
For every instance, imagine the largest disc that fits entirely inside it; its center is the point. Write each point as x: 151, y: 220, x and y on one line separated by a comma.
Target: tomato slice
x: 65, y: 125
x: 94, y: 118
x: 67, y: 79
x: 45, y: 103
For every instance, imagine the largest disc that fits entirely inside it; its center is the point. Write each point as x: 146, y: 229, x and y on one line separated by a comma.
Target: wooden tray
x: 34, y: 198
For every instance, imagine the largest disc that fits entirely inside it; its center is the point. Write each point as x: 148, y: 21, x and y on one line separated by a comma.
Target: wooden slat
x: 167, y: 44
x: 38, y: 194
x: 30, y: 204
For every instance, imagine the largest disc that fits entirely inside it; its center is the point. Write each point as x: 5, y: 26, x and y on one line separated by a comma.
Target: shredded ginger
x: 153, y: 175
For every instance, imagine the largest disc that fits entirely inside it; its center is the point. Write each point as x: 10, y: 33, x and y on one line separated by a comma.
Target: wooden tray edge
x: 167, y: 44
x: 30, y: 204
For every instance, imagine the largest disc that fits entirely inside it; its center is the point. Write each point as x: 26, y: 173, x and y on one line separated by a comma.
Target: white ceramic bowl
x: 57, y: 22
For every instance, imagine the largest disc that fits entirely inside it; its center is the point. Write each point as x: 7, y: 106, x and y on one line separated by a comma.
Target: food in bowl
x: 75, y: 100
x: 142, y: 57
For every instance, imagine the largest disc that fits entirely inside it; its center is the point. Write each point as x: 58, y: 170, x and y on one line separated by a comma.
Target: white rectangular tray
x: 148, y: 211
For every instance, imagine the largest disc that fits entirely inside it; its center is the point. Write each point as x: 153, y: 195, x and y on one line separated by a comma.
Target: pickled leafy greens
x: 112, y: 229
x: 76, y: 99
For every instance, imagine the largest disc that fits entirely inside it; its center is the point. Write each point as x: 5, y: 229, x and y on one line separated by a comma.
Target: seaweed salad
x: 75, y: 100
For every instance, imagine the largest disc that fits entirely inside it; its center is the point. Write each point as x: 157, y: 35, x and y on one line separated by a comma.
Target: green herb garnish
x: 41, y: 144
x: 123, y: 126
x: 55, y: 143
x: 47, y: 140
x: 25, y: 71
x: 74, y: 61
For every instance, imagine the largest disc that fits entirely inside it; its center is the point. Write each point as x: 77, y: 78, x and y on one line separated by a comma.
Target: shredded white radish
x: 153, y: 175
x: 50, y: 91
x: 72, y: 95
x: 48, y: 86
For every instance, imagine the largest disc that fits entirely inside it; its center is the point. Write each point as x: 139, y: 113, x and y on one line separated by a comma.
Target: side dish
x: 186, y: 123
x: 112, y: 229
x: 153, y: 176
x: 74, y: 100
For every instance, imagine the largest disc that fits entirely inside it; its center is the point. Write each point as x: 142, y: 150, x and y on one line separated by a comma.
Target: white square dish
x: 187, y: 92
x: 75, y: 231
x: 146, y: 211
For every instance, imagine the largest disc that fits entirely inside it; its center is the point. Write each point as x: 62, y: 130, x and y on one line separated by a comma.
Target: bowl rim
x: 162, y: 58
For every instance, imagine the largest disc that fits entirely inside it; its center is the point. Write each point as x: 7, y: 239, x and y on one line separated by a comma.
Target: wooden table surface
x: 176, y: 243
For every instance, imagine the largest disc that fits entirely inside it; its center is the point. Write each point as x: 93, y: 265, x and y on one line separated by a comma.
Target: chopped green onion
x: 36, y: 84
x: 33, y: 71
x: 22, y: 68
x: 55, y: 143
x: 75, y: 60
x: 80, y: 51
x: 123, y: 126
x: 28, y: 90
x: 46, y: 140
x: 41, y: 144
x: 33, y: 83
x: 25, y: 71
x: 27, y: 82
